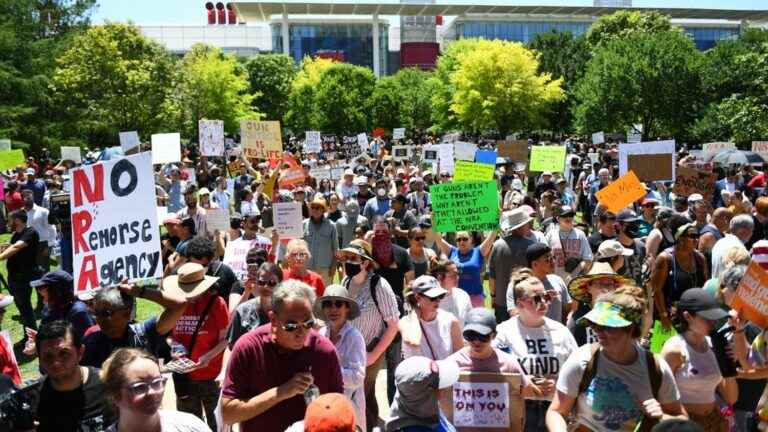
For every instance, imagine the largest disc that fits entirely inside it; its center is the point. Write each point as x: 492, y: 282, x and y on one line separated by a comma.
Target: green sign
x: 469, y: 206
x: 465, y: 171
x: 10, y: 159
x: 547, y: 158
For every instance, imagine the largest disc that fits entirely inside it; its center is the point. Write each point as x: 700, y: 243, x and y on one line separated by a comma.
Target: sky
x: 192, y: 12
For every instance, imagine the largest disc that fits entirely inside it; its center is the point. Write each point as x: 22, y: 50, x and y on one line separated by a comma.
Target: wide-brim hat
x: 189, y: 281
x: 514, y: 219
x: 336, y: 292
x: 608, y: 315
x: 360, y: 248
x: 578, y: 288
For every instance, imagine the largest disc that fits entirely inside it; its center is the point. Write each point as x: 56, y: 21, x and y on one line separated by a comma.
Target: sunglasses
x: 293, y: 326
x: 471, y: 336
x: 300, y: 255
x: 106, y: 313
x: 338, y: 304
x: 461, y: 239
x: 541, y: 298
x: 268, y: 283
x: 142, y: 388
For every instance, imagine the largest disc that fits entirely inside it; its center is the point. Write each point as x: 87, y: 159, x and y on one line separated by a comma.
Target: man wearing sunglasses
x: 272, y: 366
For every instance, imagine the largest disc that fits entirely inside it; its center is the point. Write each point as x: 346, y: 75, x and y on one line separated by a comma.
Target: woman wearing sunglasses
x: 133, y: 383
x: 470, y: 260
x: 336, y: 308
x: 261, y: 282
x: 423, y: 258
x: 541, y: 345
x: 427, y: 330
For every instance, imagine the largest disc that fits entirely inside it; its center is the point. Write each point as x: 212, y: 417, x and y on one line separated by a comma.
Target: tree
x: 403, y: 100
x: 647, y: 78
x: 343, y: 94
x: 211, y: 85
x: 624, y: 23
x: 303, y: 114
x: 271, y: 75
x: 443, y: 118
x: 498, y: 88
x: 111, y: 79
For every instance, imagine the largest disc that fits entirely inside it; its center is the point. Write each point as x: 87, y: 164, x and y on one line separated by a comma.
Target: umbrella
x: 738, y: 157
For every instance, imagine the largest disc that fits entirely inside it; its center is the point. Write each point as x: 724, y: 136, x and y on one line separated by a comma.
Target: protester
x: 297, y: 256
x: 606, y: 230
x: 202, y: 251
x: 350, y: 219
x: 322, y: 242
x: 423, y: 258
x: 427, y: 330
x: 740, y: 231
x: 570, y: 247
x: 249, y: 314
x: 507, y: 253
x: 58, y: 293
x: 37, y: 218
x: 8, y: 365
x: 628, y: 229
x: 470, y: 259
x: 541, y: 263
x: 456, y: 300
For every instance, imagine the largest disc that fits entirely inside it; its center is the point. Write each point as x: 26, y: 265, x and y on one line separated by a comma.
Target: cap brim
x: 478, y: 328
x: 37, y: 283
x: 448, y: 370
x: 605, y: 320
x: 6, y: 301
x: 714, y: 314
x: 435, y: 292
x: 192, y: 290
x: 628, y: 252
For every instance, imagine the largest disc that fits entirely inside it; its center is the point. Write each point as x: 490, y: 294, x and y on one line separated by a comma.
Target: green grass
x: 12, y: 322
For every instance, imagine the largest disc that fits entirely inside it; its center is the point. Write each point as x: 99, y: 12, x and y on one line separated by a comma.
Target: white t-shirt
x: 610, y: 401
x: 574, y: 244
x: 177, y: 421
x: 541, y: 351
x: 458, y: 303
x: 436, y: 340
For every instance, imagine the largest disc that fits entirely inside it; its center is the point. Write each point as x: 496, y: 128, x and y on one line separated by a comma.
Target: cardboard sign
x: 166, y: 148
x: 517, y: 150
x: 400, y: 153
x: 217, y: 219
x: 430, y: 153
x: 362, y: 141
x: 598, y: 138
x: 471, y: 171
x: 115, y: 232
x: 761, y: 148
x: 234, y: 168
x: 312, y: 142
x: 484, y: 401
x: 547, y: 158
x: 211, y: 137
x: 470, y: 206
x: 464, y: 151
x: 691, y: 180
x: 287, y: 217
x: 236, y: 251
x: 651, y: 161
x: 752, y: 296
x: 621, y: 193
x: 486, y: 157
x: 5, y: 144
x: 10, y: 159
x: 129, y: 140
x: 445, y: 156
x: 71, y: 153
x: 398, y: 133
x: 261, y: 139
x: 713, y: 148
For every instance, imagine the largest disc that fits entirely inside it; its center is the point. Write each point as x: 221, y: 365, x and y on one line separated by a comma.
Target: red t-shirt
x: 208, y: 336
x: 256, y: 353
x: 757, y: 181
x: 14, y: 201
x: 7, y: 365
x: 310, y: 278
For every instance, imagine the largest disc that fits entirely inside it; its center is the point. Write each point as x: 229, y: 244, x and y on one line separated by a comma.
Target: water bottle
x: 312, y: 392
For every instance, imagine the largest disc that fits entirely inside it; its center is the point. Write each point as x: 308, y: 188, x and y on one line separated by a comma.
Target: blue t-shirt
x: 470, y: 266
x: 77, y: 314
x: 138, y: 335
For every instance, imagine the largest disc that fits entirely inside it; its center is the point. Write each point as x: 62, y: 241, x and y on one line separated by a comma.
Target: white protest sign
x: 211, y: 134
x: 362, y: 141
x: 635, y: 134
x: 166, y: 148
x: 598, y: 138
x: 713, y: 148
x: 313, y: 142
x: 320, y: 173
x: 236, y: 251
x: 287, y: 217
x: 464, y: 151
x: 337, y: 173
x: 400, y: 153
x: 231, y: 187
x: 5, y: 144
x: 129, y: 140
x: 217, y: 219
x: 398, y: 133
x: 71, y: 153
x: 445, y: 156
x: 451, y: 137
x: 162, y: 213
x: 483, y: 405
x: 761, y: 148
x: 594, y: 157
x: 115, y: 233
x: 662, y: 170
x: 429, y: 153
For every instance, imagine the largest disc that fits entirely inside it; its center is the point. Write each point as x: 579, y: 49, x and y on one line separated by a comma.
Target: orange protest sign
x: 621, y: 193
x: 291, y: 176
x: 751, y: 300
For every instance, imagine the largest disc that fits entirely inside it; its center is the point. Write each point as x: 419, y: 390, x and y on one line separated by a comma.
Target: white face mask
x: 381, y: 193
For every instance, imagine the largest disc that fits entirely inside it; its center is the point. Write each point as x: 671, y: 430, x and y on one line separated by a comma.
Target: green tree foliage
x: 303, y: 113
x: 271, y: 75
x: 211, y: 85
x: 403, y: 100
x: 343, y: 95
x: 624, y: 23
x: 497, y: 87
x: 648, y: 78
x: 111, y: 79
x: 443, y: 118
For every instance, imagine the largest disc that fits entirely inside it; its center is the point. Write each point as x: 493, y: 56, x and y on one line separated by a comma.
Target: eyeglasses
x: 338, y: 304
x: 268, y: 283
x: 293, y: 326
x: 106, y: 313
x: 472, y: 336
x: 299, y: 255
x: 541, y: 298
x: 255, y: 266
x: 142, y: 388
x: 461, y: 239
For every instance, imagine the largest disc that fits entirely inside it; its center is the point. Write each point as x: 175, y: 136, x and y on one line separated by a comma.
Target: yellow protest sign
x: 465, y: 171
x: 10, y: 159
x: 261, y: 139
x: 619, y: 194
x: 547, y: 158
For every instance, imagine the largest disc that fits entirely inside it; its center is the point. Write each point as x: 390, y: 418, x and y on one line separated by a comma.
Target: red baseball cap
x: 331, y: 412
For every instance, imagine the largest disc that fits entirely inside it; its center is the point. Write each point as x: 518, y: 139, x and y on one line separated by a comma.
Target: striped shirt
x: 371, y: 323
x: 760, y: 253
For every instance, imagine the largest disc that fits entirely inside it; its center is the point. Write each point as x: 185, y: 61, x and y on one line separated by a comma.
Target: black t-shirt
x: 596, y: 238
x: 395, y: 274
x: 25, y: 261
x: 81, y: 409
x: 138, y: 335
x: 228, y: 283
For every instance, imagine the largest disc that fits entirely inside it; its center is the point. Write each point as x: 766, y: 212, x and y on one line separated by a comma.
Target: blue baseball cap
x: 58, y: 279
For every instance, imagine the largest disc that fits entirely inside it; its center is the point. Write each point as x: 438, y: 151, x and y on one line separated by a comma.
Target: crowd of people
x: 613, y: 321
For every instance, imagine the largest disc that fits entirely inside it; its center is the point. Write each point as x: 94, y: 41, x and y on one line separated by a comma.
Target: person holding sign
x: 570, y: 246
x: 470, y: 259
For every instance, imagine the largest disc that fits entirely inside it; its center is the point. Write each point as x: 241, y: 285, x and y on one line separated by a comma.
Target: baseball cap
x: 546, y: 173
x: 480, y: 320
x: 30, y: 171
x: 427, y: 286
x: 694, y: 198
x: 331, y: 412
x: 416, y: 375
x: 702, y: 303
x: 612, y: 248
x: 58, y: 280
x: 360, y: 181
x: 626, y: 215
x: 536, y: 251
x: 566, y: 211
x: 425, y: 222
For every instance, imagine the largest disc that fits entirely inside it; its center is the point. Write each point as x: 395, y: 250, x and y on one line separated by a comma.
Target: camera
x: 17, y: 408
x: 60, y: 211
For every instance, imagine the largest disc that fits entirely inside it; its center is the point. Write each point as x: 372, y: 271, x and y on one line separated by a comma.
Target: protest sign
x: 517, y: 150
x: 166, y: 148
x: 337, y: 173
x: 350, y: 146
x: 486, y: 157
x: 129, y: 140
x: 761, y: 148
x: 10, y: 159
x: 287, y: 217
x: 362, y: 141
x: 635, y: 134
x: 598, y: 138
x: 451, y: 137
x: 398, y: 133
x: 547, y: 158
x: 400, y: 153
x: 470, y: 171
x: 236, y: 250
x: 261, y: 139
x: 751, y: 298
x: 445, y: 155
x: 594, y: 157
x: 312, y: 142
x: 713, y: 148
x: 470, y: 206
x: 234, y: 168
x: 234, y: 152
x: 217, y: 219
x: 162, y: 213
x: 291, y: 176
x: 320, y: 173
x: 211, y: 135
x: 429, y: 153
x: 484, y: 401
x: 5, y: 144
x: 622, y: 192
x: 650, y: 161
x: 71, y: 153
x: 691, y: 180
x: 464, y: 151
x: 115, y: 233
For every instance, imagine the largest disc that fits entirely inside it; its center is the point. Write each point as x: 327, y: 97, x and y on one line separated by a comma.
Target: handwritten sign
x: 445, y: 155
x: 470, y: 171
x: 312, y: 142
x: 115, y: 233
x: 211, y: 136
x: 752, y: 295
x: 350, y: 146
x: 5, y: 144
x: 691, y: 180
x: 598, y: 138
x: 236, y: 251
x: 547, y: 158
x: 400, y: 153
x: 166, y: 148
x: 129, y: 140
x: 10, y: 159
x: 517, y: 150
x: 650, y: 161
x: 464, y: 151
x: 320, y: 173
x: 71, y: 153
x: 398, y: 133
x: 619, y: 194
x: 469, y: 206
x: 485, y: 401
x: 761, y: 148
x: 713, y: 148
x: 287, y: 217
x: 217, y: 219
x: 261, y: 139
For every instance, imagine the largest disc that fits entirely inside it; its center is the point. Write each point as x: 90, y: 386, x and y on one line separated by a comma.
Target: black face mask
x: 235, y: 224
x: 352, y: 269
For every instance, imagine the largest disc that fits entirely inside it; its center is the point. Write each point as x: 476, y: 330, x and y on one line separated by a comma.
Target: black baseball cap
x: 480, y: 320
x: 702, y: 303
x: 400, y: 197
x: 536, y: 251
x: 626, y: 215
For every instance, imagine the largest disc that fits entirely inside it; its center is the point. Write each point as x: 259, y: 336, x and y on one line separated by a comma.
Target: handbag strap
x: 429, y: 344
x: 203, y: 316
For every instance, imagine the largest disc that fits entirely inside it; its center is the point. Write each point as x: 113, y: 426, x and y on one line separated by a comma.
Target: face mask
x: 381, y: 193
x: 352, y: 269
